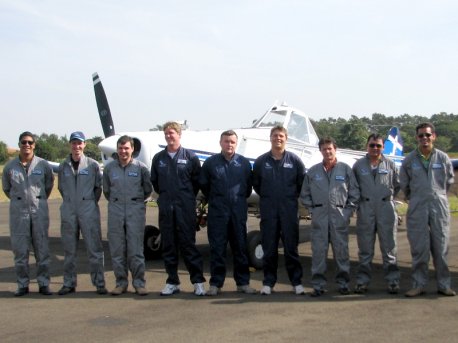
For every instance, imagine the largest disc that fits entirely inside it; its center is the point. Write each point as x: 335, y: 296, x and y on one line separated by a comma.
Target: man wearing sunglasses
x: 378, y: 181
x: 27, y: 182
x: 426, y: 176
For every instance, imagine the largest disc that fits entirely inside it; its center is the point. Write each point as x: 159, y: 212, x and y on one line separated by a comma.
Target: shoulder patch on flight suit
x: 317, y: 177
x: 162, y: 164
x: 267, y: 165
x: 416, y: 165
x: 364, y: 171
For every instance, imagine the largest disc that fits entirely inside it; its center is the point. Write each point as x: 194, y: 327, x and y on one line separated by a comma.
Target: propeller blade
x: 102, y: 105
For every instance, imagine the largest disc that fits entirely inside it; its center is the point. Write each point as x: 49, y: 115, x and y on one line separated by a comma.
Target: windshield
x: 273, y: 118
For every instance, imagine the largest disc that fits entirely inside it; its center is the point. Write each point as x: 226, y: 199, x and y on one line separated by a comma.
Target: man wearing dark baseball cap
x: 77, y: 135
x: 80, y: 184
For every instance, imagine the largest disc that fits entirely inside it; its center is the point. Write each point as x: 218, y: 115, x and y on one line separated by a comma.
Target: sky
x: 221, y: 64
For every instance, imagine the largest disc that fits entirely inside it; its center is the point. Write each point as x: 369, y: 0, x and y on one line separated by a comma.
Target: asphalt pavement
x: 230, y: 316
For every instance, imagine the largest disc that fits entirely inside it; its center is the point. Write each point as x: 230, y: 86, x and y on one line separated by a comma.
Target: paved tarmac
x: 229, y: 317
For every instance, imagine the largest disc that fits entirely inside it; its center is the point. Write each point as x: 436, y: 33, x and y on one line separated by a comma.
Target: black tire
x: 152, y: 246
x: 254, y: 247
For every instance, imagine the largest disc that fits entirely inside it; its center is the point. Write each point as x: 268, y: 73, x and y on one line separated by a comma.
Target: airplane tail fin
x: 393, y: 143
x: 102, y: 105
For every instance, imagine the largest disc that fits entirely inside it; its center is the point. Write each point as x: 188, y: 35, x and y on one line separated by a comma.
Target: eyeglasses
x: 422, y: 135
x: 373, y: 145
x: 27, y: 142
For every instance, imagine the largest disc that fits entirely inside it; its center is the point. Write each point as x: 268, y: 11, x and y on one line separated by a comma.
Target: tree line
x: 352, y: 133
x: 54, y: 148
x: 349, y: 133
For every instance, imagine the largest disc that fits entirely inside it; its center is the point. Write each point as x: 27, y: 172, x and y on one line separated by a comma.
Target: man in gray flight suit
x: 331, y: 193
x: 126, y: 185
x: 27, y: 181
x: 426, y: 176
x: 378, y: 181
x: 80, y: 184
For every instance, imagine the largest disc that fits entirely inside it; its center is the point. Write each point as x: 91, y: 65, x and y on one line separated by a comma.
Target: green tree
x: 3, y: 152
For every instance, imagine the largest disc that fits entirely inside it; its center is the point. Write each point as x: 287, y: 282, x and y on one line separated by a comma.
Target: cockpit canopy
x: 300, y: 129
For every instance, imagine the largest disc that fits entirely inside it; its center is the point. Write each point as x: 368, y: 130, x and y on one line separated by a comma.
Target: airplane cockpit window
x: 297, y: 128
x: 273, y: 118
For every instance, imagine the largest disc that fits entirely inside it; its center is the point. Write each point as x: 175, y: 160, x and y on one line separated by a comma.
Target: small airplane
x: 252, y: 142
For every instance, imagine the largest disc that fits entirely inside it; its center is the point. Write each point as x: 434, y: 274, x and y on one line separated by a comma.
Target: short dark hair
x: 228, y: 133
x: 280, y: 128
x: 124, y: 139
x: 375, y: 137
x: 327, y: 140
x: 27, y: 134
x: 424, y: 126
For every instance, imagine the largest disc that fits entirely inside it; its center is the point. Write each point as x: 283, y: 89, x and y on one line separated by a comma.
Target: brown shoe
x: 141, y: 291
x: 414, y: 292
x: 447, y: 292
x: 119, y: 290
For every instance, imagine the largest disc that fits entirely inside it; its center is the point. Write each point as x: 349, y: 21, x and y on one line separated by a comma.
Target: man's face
x: 329, y: 152
x: 425, y: 138
x: 27, y: 145
x: 77, y: 147
x: 125, y: 152
x: 375, y: 147
x: 278, y: 140
x: 228, y: 145
x: 172, y: 137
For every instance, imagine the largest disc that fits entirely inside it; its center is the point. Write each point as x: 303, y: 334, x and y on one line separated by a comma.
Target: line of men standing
x: 331, y: 190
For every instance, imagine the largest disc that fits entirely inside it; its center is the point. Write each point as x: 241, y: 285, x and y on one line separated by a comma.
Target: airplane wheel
x: 255, y: 252
x: 152, y: 247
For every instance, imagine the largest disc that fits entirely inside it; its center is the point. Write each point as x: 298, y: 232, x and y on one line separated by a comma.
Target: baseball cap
x: 77, y: 135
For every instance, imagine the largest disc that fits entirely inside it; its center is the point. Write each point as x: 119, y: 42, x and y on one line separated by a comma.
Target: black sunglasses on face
x: 422, y: 135
x: 27, y: 142
x: 373, y: 145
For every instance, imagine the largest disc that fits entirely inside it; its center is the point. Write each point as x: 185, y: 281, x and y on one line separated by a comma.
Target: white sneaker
x: 199, y: 288
x: 170, y: 289
x: 266, y: 290
x: 299, y: 289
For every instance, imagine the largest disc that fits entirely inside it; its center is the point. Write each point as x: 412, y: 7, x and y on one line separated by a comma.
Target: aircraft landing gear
x: 254, y: 247
x: 152, y: 247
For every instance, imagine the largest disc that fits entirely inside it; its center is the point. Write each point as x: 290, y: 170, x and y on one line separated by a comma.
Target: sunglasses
x: 373, y: 145
x: 27, y: 142
x: 422, y: 135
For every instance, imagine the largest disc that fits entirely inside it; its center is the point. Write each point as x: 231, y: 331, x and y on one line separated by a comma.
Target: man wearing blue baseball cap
x: 80, y: 184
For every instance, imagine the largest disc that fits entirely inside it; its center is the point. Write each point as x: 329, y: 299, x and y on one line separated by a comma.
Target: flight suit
x: 81, y: 190
x: 126, y: 189
x: 278, y: 184
x: 28, y: 189
x: 176, y: 180
x: 331, y: 198
x: 428, y: 214
x: 227, y: 184
x: 377, y: 215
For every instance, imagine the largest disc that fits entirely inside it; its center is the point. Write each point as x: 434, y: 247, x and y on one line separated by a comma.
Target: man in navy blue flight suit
x: 277, y: 178
x: 226, y: 181
x: 175, y: 177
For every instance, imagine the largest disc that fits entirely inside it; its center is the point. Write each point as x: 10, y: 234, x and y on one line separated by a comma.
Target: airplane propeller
x: 102, y: 105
